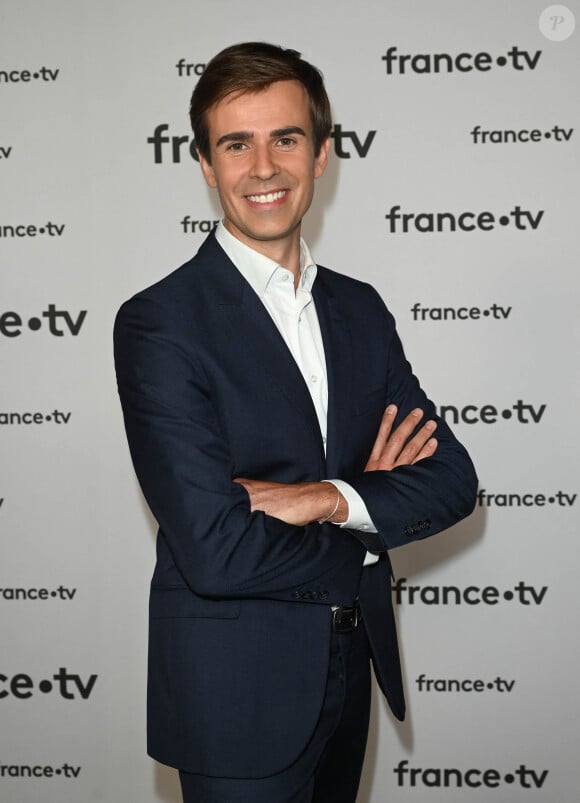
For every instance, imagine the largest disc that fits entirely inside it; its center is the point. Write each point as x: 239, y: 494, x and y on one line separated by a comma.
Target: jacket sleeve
x: 185, y: 469
x: 412, y: 502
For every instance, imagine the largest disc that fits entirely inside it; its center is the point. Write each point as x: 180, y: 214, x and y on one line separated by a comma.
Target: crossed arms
x: 306, y: 502
x: 186, y: 378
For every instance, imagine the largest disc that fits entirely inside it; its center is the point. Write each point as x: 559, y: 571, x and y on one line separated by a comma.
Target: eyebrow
x: 237, y: 136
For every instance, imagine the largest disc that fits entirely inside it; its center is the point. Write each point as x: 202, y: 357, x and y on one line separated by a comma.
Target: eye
x: 236, y: 147
x: 286, y: 142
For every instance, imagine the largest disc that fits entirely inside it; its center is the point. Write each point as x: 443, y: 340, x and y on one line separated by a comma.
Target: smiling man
x: 284, y: 446
x: 265, y: 172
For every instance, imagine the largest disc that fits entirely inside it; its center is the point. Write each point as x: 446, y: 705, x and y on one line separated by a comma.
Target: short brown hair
x: 251, y: 67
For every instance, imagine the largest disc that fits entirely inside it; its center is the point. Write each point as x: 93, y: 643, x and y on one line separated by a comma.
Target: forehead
x: 282, y: 104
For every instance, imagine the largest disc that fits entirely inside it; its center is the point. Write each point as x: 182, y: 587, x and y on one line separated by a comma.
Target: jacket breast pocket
x: 181, y: 603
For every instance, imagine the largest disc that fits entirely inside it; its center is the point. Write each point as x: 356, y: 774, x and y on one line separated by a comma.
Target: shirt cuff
x: 358, y: 515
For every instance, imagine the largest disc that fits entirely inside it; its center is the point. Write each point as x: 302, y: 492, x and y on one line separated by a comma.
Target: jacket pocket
x: 181, y: 603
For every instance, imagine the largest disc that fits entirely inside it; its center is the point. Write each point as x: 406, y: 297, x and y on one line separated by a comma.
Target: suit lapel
x: 338, y: 353
x: 250, y: 324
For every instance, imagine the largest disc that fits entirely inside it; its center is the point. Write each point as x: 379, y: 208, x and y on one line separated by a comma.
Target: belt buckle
x: 345, y: 618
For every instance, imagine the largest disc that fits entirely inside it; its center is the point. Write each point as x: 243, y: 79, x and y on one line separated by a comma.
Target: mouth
x: 268, y: 197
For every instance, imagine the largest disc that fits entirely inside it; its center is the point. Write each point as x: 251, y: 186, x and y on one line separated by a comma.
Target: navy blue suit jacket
x: 240, y: 601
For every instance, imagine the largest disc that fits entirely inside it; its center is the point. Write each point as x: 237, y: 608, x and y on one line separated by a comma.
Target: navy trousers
x: 328, y: 771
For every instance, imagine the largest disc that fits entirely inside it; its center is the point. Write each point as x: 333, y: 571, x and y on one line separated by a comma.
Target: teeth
x: 267, y: 199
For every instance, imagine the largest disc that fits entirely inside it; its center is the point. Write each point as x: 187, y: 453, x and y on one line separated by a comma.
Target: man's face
x: 263, y: 164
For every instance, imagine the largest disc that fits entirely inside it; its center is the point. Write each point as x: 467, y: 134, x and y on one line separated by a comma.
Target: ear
x: 321, y: 160
x: 208, y: 172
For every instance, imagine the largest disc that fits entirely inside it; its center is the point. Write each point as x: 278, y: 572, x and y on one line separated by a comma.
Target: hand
x: 397, y: 448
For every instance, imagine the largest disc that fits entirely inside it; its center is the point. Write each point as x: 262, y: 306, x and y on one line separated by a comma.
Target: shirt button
x: 285, y: 277
x: 313, y: 378
x: 364, y: 526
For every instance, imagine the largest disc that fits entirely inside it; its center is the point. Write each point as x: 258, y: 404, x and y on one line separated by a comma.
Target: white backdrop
x: 488, y: 314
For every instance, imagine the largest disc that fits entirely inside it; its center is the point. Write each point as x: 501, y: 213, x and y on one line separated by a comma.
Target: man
x: 267, y: 402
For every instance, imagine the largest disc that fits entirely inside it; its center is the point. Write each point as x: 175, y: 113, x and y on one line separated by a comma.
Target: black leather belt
x: 346, y: 618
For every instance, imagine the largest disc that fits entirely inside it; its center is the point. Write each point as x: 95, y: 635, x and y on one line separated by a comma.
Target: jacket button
x: 322, y: 594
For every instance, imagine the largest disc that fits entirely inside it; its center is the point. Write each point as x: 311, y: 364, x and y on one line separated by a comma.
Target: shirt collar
x: 259, y: 270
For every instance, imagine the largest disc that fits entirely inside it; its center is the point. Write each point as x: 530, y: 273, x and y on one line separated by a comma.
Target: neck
x: 284, y: 251
x: 287, y: 255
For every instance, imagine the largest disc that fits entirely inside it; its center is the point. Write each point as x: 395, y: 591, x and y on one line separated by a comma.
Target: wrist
x: 335, y: 507
x: 338, y: 512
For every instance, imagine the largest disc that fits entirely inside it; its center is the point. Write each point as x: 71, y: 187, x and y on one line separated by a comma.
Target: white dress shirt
x: 294, y: 314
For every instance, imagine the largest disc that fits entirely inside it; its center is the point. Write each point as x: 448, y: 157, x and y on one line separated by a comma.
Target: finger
x: 385, y: 427
x: 398, y: 438
x: 408, y: 454
x: 428, y: 450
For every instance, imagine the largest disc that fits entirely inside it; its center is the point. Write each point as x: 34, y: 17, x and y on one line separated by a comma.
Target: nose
x: 264, y: 166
